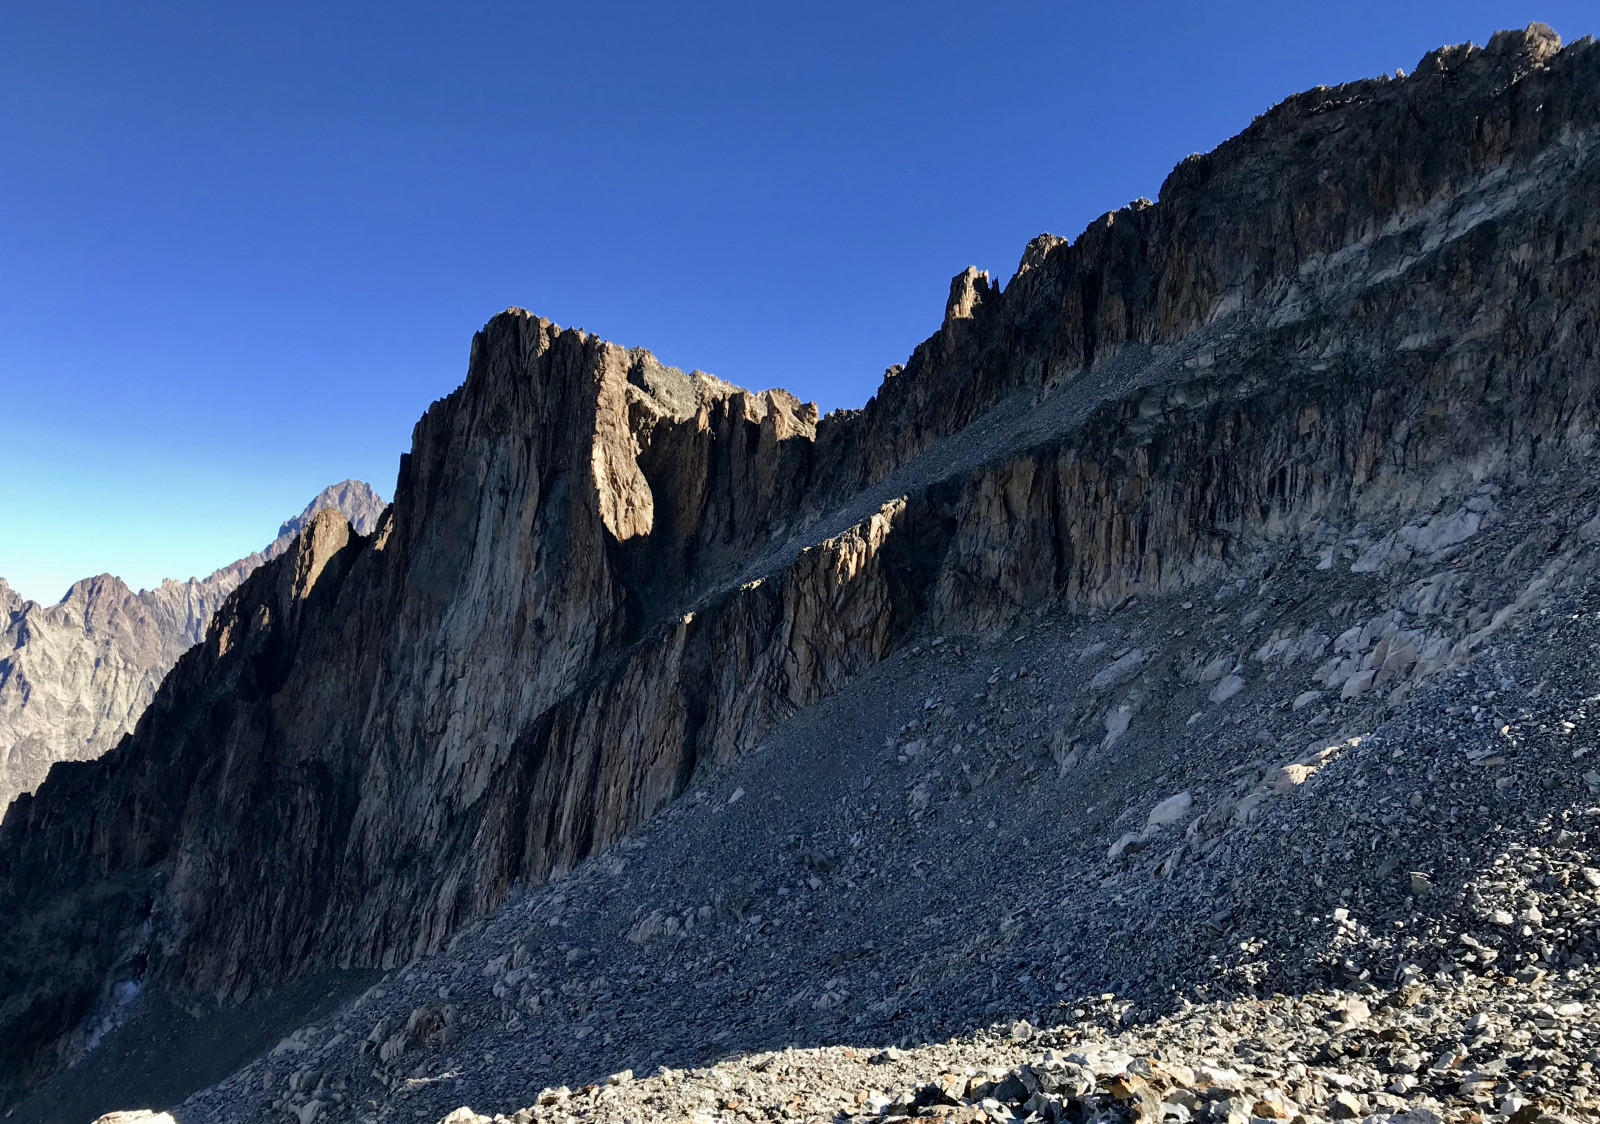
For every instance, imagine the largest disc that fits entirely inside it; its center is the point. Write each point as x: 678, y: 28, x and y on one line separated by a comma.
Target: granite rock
x: 603, y: 580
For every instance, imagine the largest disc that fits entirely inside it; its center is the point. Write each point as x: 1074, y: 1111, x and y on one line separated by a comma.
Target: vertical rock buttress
x: 600, y: 573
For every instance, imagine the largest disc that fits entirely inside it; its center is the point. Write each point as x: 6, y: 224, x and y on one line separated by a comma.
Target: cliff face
x: 76, y: 675
x: 600, y: 574
x: 1329, y: 183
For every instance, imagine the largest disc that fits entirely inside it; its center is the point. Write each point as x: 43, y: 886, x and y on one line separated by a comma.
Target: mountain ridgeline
x: 601, y: 577
x: 75, y: 676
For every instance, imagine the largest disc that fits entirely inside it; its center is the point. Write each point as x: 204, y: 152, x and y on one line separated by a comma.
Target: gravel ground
x: 1448, y: 1046
x: 1313, y: 841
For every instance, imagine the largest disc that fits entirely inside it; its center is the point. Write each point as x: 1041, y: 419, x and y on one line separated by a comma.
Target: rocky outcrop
x: 354, y: 499
x: 1365, y: 175
x: 600, y: 574
x: 76, y: 675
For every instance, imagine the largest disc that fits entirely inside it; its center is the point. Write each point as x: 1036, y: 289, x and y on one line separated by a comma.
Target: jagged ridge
x: 600, y: 574
x: 77, y: 674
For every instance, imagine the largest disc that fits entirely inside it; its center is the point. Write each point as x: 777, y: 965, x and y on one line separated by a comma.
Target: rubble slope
x: 1283, y: 437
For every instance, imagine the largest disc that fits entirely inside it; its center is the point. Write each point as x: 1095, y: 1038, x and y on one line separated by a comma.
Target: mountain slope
x: 77, y: 674
x: 1343, y: 337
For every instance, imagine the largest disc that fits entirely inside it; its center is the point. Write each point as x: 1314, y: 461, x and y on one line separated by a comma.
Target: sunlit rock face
x: 601, y: 575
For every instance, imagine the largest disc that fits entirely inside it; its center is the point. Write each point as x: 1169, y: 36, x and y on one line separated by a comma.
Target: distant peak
x: 356, y: 500
x: 87, y: 589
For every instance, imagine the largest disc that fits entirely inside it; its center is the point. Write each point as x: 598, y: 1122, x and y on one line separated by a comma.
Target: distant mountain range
x: 76, y: 675
x: 1171, y: 697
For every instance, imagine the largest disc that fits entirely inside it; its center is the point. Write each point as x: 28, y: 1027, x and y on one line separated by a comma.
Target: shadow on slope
x: 933, y: 849
x: 164, y: 1053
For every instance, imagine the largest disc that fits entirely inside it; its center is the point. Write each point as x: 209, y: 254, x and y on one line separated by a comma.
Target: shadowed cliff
x: 600, y: 575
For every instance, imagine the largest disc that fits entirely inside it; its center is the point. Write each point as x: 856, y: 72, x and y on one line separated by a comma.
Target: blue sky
x: 242, y: 247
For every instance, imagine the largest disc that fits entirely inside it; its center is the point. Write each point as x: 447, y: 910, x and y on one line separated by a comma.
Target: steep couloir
x: 600, y: 574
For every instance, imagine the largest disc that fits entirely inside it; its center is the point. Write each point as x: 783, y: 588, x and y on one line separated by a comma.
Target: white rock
x: 1349, y: 1013
x: 1218, y: 1077
x: 1131, y: 839
x: 1172, y: 810
x: 1226, y: 689
x: 1287, y: 778
x: 1119, y: 672
x: 1103, y: 1063
x: 1117, y: 720
x: 1442, y: 531
x: 1358, y: 683
x: 1375, y: 556
x: 1245, y: 810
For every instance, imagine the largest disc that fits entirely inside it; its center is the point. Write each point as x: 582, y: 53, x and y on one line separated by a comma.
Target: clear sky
x: 243, y: 246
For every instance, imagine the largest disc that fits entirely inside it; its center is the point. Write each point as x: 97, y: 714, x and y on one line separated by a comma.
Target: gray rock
x: 609, y: 593
x: 76, y: 675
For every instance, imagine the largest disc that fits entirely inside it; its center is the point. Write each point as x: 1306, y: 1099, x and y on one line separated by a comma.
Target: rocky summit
x: 1171, y: 698
x: 76, y: 675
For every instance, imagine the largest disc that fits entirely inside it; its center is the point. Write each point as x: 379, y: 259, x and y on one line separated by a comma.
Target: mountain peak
x: 1204, y: 616
x: 356, y: 500
x: 76, y: 675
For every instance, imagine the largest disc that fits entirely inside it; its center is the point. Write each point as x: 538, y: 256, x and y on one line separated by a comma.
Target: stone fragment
x: 1118, y: 672
x: 1128, y: 843
x: 1174, y: 809
x: 1357, y: 684
x: 1226, y: 689
x: 1345, y: 1105
x: 1347, y: 1013
x: 1287, y: 778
